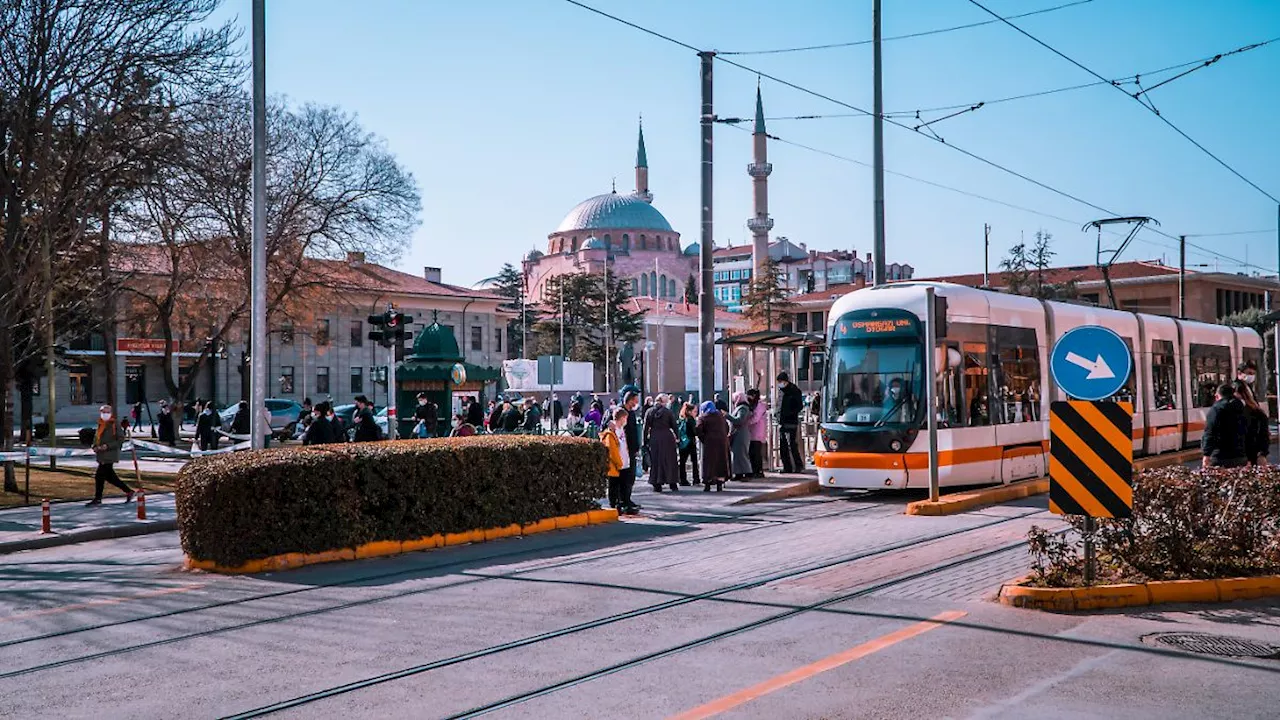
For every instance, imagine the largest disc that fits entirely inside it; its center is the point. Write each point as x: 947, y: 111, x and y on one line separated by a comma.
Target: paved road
x: 808, y: 608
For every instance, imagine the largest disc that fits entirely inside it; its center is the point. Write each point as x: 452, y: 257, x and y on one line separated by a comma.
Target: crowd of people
x: 1237, y: 429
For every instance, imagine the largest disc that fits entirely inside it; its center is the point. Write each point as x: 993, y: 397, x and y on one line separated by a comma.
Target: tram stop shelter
x: 437, y: 368
x: 754, y: 359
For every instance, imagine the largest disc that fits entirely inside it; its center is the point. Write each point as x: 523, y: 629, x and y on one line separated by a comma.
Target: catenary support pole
x: 1275, y: 385
x: 258, y: 319
x: 877, y: 143
x: 931, y: 385
x: 706, y: 305
x: 986, y: 255
x: 1182, y: 277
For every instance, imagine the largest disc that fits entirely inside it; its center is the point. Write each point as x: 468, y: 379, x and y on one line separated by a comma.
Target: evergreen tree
x: 584, y: 318
x: 509, y: 283
x: 691, y: 290
x: 766, y: 301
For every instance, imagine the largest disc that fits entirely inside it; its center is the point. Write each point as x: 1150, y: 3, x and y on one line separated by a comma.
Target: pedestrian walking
x: 1257, y: 439
x: 713, y: 430
x: 789, y: 424
x: 595, y: 416
x: 688, y: 443
x: 511, y: 418
x: 107, y: 441
x: 556, y: 412
x: 532, y: 417
x: 336, y: 422
x: 660, y: 439
x: 136, y: 413
x: 620, y: 469
x: 631, y: 403
x: 240, y: 423
x: 427, y: 414
x: 366, y: 426
x: 740, y: 437
x: 165, y: 432
x: 758, y: 426
x: 1223, y: 443
x: 206, y: 437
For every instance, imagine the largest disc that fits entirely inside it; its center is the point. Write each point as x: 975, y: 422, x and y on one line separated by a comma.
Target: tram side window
x: 1127, y: 393
x: 1015, y: 385
x: 950, y: 370
x: 1164, y: 374
x: 1210, y: 367
x: 977, y: 384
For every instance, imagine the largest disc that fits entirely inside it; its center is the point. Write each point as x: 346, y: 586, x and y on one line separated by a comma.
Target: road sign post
x: 1090, y: 438
x: 931, y: 386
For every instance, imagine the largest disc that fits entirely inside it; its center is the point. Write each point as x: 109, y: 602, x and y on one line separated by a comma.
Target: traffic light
x: 389, y: 326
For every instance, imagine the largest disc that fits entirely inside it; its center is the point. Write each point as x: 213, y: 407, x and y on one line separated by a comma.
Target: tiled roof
x: 832, y: 292
x: 1078, y: 273
x: 679, y: 309
x: 730, y: 251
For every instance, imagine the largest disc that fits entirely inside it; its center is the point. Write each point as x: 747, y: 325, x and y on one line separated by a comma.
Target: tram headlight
x: 895, y: 445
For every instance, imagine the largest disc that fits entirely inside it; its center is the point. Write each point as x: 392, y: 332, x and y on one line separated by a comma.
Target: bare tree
x: 72, y: 73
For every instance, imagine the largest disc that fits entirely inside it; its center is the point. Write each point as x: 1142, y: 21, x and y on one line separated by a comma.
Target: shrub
x: 244, y: 506
x: 1187, y: 523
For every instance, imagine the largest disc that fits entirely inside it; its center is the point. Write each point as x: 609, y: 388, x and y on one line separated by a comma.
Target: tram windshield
x: 873, y: 383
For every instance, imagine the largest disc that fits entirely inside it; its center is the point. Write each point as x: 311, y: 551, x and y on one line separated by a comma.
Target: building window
x: 357, y: 333
x: 643, y: 242
x: 644, y: 285
x: 735, y: 274
x: 497, y: 340
x: 477, y: 338
x: 815, y: 320
x: 608, y: 242
x: 1210, y: 367
x: 1164, y: 373
x: 635, y: 287
x: 286, y: 379
x: 653, y: 284
x: 662, y: 285
x: 1016, y: 386
x: 322, y: 380
x: 322, y: 332
x: 626, y: 243
x: 357, y: 380
x: 80, y: 379
x: 286, y: 334
x: 802, y: 322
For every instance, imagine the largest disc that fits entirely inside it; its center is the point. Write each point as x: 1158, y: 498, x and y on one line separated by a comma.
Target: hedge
x: 1187, y: 524
x: 246, y: 506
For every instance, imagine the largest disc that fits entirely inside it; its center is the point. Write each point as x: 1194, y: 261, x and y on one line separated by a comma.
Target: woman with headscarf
x: 107, y: 442
x: 740, y: 437
x: 660, y: 438
x: 758, y: 425
x: 713, y: 430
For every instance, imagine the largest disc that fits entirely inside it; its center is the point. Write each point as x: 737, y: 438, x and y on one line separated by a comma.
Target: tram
x: 993, y: 383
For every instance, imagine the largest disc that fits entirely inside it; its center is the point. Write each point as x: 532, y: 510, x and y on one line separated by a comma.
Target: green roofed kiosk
x: 437, y: 368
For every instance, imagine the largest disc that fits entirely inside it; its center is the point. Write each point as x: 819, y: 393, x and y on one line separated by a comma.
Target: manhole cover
x: 1221, y: 645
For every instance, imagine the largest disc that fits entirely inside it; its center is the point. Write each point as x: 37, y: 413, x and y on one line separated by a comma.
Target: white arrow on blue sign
x: 1091, y: 362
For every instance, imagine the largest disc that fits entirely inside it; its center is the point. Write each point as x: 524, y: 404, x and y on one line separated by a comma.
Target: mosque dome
x: 594, y: 243
x: 614, y: 211
x: 692, y: 250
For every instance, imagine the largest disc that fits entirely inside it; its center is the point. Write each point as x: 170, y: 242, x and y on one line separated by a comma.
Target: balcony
x: 760, y: 169
x: 760, y: 224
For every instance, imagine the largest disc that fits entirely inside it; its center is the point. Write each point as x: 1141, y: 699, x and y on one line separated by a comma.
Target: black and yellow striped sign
x: 1091, y: 458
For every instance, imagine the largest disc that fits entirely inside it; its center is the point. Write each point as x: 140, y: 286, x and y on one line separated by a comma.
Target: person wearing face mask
x: 321, y: 430
x: 106, y: 446
x: 789, y: 409
x: 631, y: 432
x: 427, y: 415
x: 206, y: 438
x: 1247, y: 371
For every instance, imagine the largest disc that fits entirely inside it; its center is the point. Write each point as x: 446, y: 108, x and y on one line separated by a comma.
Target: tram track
x: 651, y: 609
x: 434, y: 567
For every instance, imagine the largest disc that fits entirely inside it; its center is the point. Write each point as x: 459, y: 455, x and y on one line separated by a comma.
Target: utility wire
x: 1137, y: 99
x: 901, y: 37
x: 862, y: 111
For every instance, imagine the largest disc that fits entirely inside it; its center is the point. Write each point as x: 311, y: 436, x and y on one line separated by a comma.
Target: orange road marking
x: 746, y: 695
x: 100, y: 603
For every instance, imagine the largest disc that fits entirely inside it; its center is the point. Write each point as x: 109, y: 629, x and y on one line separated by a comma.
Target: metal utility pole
x: 258, y: 319
x: 51, y: 418
x: 877, y: 142
x: 931, y: 385
x: 706, y: 306
x: 1275, y: 387
x: 608, y: 329
x: 1182, y: 277
x: 986, y: 255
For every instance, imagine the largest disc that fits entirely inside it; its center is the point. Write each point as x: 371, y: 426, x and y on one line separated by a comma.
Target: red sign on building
x: 143, y: 345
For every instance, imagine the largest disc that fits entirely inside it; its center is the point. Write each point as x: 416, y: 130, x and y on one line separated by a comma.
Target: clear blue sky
x: 509, y: 112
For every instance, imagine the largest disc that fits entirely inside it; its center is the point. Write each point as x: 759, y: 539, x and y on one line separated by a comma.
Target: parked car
x: 284, y: 415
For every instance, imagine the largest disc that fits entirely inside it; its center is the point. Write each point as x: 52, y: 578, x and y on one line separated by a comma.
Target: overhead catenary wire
x: 923, y: 33
x: 1135, y: 98
x: 956, y: 148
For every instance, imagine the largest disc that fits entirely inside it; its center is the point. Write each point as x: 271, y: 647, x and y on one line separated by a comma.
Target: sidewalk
x: 72, y: 522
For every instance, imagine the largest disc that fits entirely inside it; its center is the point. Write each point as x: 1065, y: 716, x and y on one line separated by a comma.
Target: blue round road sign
x: 1091, y: 363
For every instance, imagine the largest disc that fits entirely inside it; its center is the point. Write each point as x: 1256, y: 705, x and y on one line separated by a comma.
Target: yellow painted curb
x: 385, y: 548
x: 1138, y: 594
x: 960, y: 502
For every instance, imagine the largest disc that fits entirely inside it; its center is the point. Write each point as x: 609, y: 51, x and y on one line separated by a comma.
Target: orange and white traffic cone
x: 45, y: 519
x: 142, y: 504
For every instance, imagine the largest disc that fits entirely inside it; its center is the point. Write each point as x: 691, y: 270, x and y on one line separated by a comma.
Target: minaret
x: 642, y: 169
x: 759, y: 170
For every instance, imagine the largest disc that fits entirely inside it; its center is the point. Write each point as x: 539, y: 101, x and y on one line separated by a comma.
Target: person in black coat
x: 206, y: 438
x: 427, y: 413
x: 240, y: 424
x: 789, y: 424
x: 320, y: 431
x: 1223, y: 443
x: 511, y: 419
x: 475, y: 414
x: 164, y: 425
x: 1257, y: 439
x: 366, y: 427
